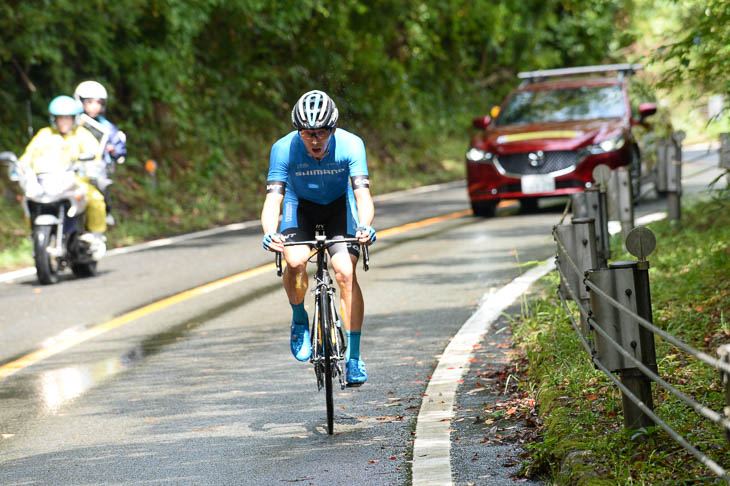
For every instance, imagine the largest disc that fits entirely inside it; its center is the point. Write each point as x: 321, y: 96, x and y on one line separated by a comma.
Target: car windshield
x: 559, y: 105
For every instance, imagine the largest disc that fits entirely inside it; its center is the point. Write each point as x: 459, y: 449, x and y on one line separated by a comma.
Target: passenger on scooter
x: 93, y: 96
x: 61, y: 145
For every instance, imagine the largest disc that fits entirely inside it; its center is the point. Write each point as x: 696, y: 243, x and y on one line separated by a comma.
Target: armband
x: 275, y: 187
x: 360, y: 182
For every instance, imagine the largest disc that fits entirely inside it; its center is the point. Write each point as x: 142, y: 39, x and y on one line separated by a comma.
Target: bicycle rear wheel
x: 326, y: 326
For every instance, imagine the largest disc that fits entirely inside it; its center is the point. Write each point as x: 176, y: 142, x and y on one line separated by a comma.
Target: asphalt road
x: 204, y: 390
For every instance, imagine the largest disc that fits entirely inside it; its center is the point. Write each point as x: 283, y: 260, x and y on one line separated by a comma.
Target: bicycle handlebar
x: 323, y: 244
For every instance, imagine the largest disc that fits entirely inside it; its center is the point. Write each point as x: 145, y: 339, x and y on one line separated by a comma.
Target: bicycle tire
x: 326, y: 323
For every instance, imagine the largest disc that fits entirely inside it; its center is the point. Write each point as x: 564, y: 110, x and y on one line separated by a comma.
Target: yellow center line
x: 37, y: 356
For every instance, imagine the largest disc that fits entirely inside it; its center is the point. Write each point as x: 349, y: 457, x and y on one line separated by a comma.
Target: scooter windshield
x: 54, y: 184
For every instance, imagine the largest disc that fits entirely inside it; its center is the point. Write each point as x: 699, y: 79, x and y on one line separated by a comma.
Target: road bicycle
x: 329, y: 342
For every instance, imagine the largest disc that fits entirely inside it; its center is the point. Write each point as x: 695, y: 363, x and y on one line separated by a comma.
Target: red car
x: 550, y: 133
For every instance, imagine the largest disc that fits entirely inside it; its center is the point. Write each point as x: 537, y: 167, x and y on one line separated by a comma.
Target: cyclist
x: 93, y: 96
x: 58, y: 146
x: 319, y: 172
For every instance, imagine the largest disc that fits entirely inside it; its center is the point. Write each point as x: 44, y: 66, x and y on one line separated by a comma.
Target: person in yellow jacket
x: 60, y: 145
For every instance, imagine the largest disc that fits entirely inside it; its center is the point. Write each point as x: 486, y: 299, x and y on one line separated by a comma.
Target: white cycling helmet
x: 314, y: 110
x: 92, y: 90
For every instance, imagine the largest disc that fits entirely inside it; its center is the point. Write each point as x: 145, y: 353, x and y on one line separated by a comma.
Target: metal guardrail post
x: 663, y: 146
x: 669, y: 176
x: 602, y: 175
x: 674, y: 185
x: 620, y: 281
x: 579, y: 240
x: 725, y: 150
x: 724, y: 354
x: 587, y: 204
x: 620, y: 199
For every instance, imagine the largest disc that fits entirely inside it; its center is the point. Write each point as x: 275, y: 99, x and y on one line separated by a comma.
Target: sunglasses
x: 320, y: 134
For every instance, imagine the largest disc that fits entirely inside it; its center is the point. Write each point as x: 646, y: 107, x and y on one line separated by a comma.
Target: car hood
x: 570, y: 135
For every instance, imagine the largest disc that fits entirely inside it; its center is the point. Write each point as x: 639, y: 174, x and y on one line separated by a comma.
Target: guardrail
x: 725, y: 150
x: 615, y: 325
x: 668, y: 175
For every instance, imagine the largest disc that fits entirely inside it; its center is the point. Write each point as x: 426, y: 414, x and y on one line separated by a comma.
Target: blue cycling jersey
x: 319, y: 181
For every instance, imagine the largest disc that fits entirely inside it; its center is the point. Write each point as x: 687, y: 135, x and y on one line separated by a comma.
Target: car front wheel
x: 484, y: 209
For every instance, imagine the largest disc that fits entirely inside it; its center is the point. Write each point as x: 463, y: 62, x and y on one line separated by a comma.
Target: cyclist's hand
x: 366, y: 234
x: 273, y: 242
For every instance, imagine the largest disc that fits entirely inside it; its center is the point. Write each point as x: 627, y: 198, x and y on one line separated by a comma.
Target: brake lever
x: 365, y: 257
x: 277, y: 259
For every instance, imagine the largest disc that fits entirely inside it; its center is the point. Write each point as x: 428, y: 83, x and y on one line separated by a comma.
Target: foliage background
x: 204, y: 87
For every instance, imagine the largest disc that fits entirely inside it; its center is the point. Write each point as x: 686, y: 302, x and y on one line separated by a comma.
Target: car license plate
x: 537, y: 184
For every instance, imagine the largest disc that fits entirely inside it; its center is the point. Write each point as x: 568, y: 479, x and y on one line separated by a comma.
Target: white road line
x: 432, y: 447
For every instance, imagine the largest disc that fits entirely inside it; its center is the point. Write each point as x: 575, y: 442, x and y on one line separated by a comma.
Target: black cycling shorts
x: 336, y: 218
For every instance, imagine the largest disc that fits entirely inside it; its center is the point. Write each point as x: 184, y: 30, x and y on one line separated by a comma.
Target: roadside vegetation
x: 582, y: 440
x: 205, y: 88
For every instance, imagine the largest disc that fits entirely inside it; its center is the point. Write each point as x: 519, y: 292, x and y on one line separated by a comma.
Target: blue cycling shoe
x: 301, y: 346
x: 356, y: 374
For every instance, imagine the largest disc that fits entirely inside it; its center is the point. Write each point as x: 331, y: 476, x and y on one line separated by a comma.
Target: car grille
x: 553, y: 161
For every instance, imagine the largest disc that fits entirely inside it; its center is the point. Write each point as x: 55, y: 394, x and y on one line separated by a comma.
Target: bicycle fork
x: 336, y: 333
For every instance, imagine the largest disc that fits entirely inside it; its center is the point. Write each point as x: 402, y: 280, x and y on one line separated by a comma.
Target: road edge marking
x: 432, y: 445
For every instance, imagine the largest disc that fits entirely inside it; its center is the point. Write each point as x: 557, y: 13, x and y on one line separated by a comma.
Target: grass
x: 581, y: 409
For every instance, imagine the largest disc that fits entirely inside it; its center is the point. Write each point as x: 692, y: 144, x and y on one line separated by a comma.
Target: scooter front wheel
x: 46, y: 269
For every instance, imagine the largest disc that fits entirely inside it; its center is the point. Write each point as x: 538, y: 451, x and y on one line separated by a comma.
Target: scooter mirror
x: 86, y: 157
x: 8, y: 158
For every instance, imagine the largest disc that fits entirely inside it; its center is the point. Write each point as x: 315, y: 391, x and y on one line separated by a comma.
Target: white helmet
x: 91, y: 89
x: 314, y: 110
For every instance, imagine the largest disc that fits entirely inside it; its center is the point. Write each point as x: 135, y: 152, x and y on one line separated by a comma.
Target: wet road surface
x: 205, y: 391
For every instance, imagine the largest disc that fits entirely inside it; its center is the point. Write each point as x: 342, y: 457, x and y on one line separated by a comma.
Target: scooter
x: 55, y: 203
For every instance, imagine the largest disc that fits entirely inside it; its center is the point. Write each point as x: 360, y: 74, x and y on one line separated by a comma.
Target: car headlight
x: 608, y: 145
x: 478, y: 155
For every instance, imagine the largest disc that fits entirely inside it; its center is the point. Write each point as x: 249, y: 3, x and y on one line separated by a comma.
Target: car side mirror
x: 646, y: 109
x: 482, y: 122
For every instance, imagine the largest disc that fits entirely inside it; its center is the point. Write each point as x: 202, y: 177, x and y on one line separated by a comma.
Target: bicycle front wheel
x: 326, y: 326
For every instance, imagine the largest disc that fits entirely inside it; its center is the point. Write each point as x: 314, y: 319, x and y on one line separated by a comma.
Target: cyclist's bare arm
x: 365, y: 209
x: 270, y: 218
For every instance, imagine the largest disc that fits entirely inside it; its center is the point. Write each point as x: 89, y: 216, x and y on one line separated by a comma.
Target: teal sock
x: 353, y: 348
x: 300, y: 314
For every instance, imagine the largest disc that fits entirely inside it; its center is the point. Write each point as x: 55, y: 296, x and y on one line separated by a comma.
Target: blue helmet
x: 64, y: 105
